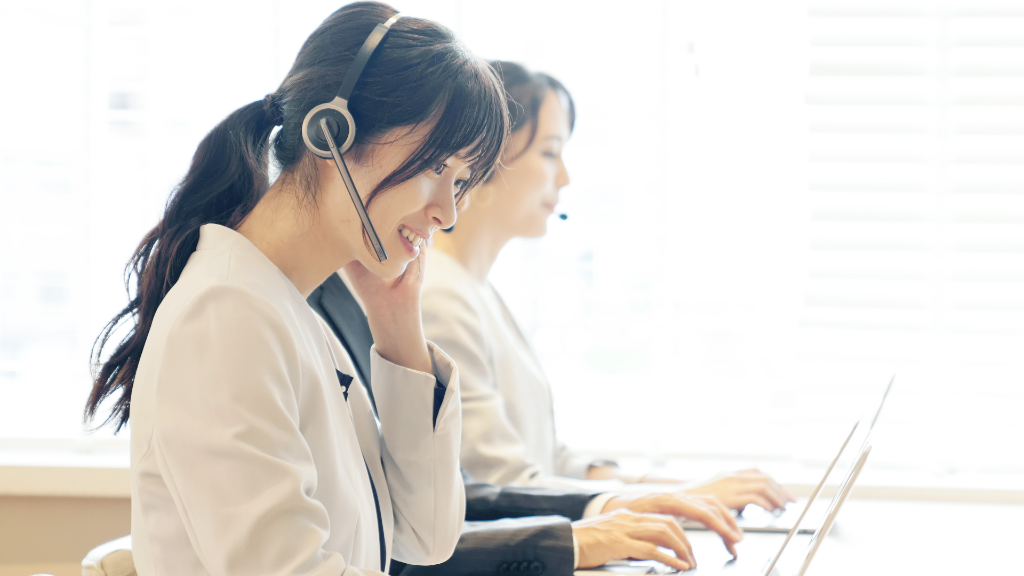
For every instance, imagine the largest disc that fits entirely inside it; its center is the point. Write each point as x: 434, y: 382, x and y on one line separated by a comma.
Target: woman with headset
x: 508, y: 433
x: 251, y: 452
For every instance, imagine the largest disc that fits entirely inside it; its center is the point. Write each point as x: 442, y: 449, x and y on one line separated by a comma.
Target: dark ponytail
x: 419, y: 73
x: 227, y: 177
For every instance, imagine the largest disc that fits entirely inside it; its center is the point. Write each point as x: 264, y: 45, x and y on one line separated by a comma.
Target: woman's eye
x: 552, y: 155
x: 460, y: 184
x: 439, y: 169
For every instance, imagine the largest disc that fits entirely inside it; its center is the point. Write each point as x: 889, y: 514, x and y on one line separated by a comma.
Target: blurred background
x: 774, y: 207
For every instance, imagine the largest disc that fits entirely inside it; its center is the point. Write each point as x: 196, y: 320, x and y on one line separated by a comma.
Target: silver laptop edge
x: 855, y: 465
x: 878, y: 413
x: 844, y: 489
x: 841, y: 494
x: 814, y: 494
x: 769, y: 566
x: 784, y: 519
x: 837, y: 503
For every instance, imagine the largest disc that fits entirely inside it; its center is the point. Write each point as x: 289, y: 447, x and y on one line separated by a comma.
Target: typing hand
x: 737, y: 489
x: 625, y: 534
x: 707, y: 510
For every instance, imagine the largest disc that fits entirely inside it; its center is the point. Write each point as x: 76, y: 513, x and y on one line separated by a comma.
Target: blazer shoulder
x: 450, y: 299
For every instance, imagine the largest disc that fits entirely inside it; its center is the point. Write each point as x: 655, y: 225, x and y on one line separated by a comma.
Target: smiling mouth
x: 413, y: 238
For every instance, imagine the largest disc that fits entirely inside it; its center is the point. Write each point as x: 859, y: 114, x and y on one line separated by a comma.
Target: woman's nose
x: 563, y: 175
x: 443, y: 212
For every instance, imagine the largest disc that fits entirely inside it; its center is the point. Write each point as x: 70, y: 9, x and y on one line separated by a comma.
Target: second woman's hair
x: 525, y: 92
x: 419, y: 73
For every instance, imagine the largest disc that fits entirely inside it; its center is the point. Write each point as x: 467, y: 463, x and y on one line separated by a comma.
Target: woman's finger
x: 774, y: 494
x: 707, y: 510
x: 760, y: 500
x: 771, y: 486
x: 413, y: 274
x: 728, y: 520
x: 664, y: 532
x: 763, y: 487
x: 642, y: 550
x: 720, y: 510
x: 672, y: 561
x: 710, y: 517
x: 723, y: 511
x: 714, y: 520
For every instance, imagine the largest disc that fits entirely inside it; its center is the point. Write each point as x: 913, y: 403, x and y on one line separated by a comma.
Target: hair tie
x: 272, y: 106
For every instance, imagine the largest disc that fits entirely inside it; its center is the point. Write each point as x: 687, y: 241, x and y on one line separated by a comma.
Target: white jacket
x: 508, y: 427
x: 246, y: 457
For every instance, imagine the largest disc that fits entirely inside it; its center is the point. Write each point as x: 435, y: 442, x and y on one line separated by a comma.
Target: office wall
x: 52, y: 535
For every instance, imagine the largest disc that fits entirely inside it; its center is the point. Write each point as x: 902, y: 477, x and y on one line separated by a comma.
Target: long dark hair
x: 525, y: 91
x: 419, y: 73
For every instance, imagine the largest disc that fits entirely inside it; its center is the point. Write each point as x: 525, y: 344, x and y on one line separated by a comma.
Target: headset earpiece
x: 339, y: 120
x: 343, y: 126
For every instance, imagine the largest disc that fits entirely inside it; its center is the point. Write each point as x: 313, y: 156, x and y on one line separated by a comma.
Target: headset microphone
x: 563, y: 216
x: 329, y: 129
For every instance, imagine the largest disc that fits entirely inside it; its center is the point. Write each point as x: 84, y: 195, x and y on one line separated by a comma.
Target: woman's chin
x: 536, y: 231
x: 389, y: 269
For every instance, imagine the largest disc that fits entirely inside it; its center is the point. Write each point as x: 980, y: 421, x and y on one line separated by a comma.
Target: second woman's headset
x: 330, y: 123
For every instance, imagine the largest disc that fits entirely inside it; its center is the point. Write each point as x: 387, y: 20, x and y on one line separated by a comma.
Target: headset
x: 329, y: 129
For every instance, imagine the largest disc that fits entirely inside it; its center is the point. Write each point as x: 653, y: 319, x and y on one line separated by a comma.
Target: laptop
x: 752, y: 564
x: 753, y: 518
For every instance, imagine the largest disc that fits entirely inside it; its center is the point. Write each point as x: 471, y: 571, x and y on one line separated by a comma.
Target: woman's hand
x: 625, y: 534
x: 737, y: 489
x: 707, y: 510
x: 393, y: 311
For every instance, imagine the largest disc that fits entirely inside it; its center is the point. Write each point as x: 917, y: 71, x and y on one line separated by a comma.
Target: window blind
x: 916, y: 117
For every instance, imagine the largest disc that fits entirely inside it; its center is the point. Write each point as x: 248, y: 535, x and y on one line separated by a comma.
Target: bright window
x: 773, y: 207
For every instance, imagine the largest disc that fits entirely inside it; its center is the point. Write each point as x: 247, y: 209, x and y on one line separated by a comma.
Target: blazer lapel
x: 334, y: 303
x: 339, y: 307
x: 369, y: 435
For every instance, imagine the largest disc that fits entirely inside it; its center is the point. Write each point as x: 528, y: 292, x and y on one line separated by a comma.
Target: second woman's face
x: 404, y: 216
x: 526, y: 188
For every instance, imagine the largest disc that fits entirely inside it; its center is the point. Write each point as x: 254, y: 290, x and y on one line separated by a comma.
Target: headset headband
x: 363, y: 56
x: 329, y: 129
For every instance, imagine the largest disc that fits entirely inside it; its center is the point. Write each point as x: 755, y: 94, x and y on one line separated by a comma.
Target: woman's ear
x: 483, y: 196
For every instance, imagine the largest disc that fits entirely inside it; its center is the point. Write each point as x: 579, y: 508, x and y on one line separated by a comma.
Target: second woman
x: 508, y: 424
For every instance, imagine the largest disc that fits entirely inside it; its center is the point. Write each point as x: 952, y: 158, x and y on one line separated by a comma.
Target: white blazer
x: 246, y: 457
x: 508, y: 427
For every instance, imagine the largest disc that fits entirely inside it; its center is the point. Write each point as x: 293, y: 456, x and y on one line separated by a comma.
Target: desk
x: 888, y: 537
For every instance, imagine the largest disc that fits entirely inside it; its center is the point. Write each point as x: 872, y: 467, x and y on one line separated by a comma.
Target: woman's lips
x: 412, y: 239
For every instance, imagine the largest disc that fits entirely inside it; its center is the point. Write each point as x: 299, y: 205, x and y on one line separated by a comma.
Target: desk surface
x: 886, y: 537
